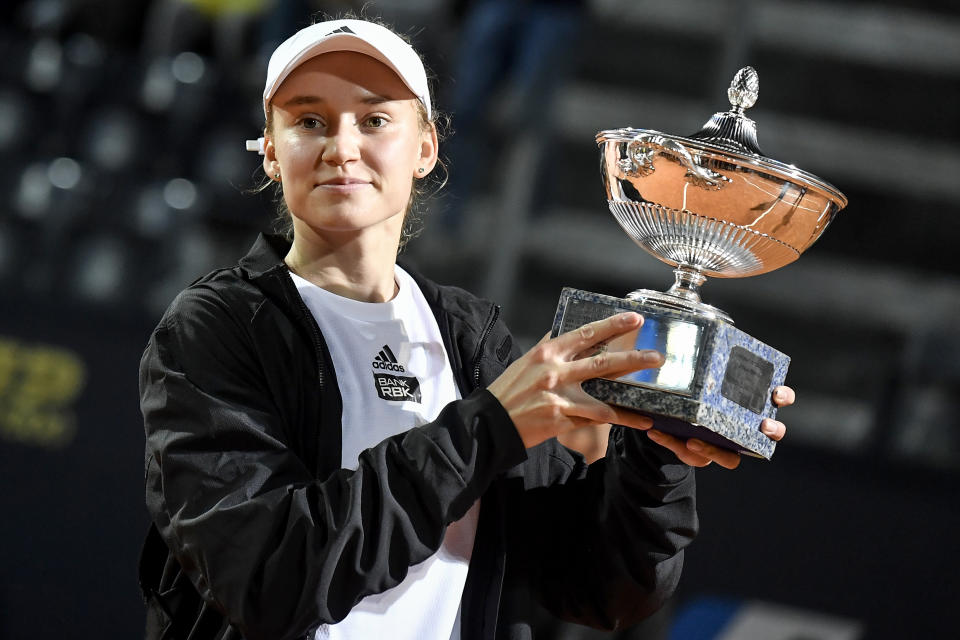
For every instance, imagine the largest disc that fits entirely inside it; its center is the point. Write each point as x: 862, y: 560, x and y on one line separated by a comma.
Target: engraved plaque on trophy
x: 709, y: 204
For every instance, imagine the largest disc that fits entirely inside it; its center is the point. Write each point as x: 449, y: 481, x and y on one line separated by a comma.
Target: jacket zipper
x: 483, y: 339
x: 309, y: 320
x: 321, y: 354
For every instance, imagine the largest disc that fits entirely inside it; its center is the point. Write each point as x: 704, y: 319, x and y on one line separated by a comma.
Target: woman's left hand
x: 698, y: 453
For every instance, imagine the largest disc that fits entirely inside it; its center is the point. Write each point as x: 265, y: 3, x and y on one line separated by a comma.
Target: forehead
x: 342, y: 71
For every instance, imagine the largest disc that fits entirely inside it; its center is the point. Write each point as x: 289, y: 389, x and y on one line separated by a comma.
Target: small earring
x: 421, y: 170
x: 277, y: 176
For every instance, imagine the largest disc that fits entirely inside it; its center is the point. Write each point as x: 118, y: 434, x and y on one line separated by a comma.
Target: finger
x: 576, y: 422
x: 592, y: 350
x: 583, y: 405
x: 696, y: 453
x: 632, y: 419
x: 784, y: 396
x: 679, y: 448
x: 612, y: 365
x: 723, y: 457
x: 649, y: 359
x: 593, y: 333
x: 773, y: 429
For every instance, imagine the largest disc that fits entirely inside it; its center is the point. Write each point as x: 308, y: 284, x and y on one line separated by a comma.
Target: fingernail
x: 653, y: 434
x: 650, y: 355
x: 628, y: 318
x: 695, y: 445
x: 768, y: 427
x: 779, y: 394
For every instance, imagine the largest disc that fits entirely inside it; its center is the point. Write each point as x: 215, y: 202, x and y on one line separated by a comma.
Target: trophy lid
x: 712, y: 203
x: 732, y: 136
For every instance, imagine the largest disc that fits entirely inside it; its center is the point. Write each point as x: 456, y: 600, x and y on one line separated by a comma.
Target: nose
x: 342, y: 144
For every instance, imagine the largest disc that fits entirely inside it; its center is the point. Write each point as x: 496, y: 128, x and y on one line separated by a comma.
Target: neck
x: 352, y: 264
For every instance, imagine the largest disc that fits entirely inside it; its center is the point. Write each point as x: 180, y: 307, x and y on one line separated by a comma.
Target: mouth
x: 342, y: 184
x: 340, y: 181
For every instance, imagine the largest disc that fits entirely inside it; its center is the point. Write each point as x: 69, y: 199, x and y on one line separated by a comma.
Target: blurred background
x: 124, y: 178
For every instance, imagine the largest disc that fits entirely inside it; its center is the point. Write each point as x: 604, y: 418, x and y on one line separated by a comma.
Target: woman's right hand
x: 541, y: 390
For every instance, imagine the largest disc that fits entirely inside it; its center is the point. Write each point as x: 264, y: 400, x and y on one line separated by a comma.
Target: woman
x: 337, y: 448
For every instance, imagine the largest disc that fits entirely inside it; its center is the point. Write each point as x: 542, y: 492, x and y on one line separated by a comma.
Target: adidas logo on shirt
x: 386, y: 360
x: 389, y: 386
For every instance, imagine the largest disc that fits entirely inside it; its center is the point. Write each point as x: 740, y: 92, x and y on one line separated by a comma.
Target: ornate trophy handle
x: 642, y: 149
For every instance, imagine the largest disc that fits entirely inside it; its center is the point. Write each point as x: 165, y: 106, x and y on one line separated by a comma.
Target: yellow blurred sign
x: 38, y: 387
x: 226, y: 7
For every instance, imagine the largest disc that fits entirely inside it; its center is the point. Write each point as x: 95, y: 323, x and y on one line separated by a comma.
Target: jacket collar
x: 266, y: 254
x: 269, y: 250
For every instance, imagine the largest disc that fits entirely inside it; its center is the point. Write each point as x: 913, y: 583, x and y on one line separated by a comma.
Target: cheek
x: 296, y: 169
x: 295, y: 159
x: 401, y: 158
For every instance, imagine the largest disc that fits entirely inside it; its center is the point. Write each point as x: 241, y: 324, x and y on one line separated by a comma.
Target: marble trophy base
x: 716, y: 384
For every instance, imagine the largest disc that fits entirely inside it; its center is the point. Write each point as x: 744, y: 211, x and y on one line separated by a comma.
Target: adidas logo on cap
x: 343, y: 29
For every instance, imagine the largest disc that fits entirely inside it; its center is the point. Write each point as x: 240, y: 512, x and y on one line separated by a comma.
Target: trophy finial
x: 744, y: 89
x: 733, y: 129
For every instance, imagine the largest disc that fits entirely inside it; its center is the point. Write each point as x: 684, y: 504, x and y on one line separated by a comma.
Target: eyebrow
x: 301, y: 100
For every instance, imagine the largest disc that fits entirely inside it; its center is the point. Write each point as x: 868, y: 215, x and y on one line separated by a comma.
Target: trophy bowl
x: 711, y: 204
x: 708, y: 204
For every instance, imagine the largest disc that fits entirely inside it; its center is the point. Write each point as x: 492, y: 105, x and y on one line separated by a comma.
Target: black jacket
x: 258, y: 533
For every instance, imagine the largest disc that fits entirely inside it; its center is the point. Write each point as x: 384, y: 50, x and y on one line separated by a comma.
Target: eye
x: 310, y: 123
x: 375, y: 122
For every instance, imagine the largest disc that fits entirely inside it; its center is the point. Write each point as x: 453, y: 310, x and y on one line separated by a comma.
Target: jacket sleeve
x: 278, y: 551
x: 602, y: 545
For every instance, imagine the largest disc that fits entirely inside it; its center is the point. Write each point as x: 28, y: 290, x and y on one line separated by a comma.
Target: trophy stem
x: 687, y: 282
x: 683, y: 296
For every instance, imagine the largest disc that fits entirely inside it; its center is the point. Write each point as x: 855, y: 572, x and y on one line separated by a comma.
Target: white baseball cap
x: 368, y: 38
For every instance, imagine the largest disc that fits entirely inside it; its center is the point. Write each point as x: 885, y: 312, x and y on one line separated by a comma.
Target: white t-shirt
x: 394, y: 374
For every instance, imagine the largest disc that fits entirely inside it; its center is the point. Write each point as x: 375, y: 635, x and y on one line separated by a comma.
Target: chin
x: 346, y: 223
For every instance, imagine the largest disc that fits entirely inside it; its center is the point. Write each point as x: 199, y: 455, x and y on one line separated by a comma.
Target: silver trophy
x: 710, y: 204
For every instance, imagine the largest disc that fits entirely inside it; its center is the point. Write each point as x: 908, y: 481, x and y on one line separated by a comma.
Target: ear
x: 429, y: 152
x: 271, y: 165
